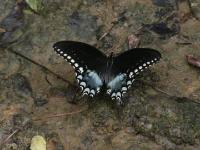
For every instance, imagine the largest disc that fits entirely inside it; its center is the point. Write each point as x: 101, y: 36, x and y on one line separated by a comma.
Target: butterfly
x: 96, y: 72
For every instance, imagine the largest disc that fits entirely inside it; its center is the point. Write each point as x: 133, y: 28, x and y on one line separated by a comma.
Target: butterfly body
x: 95, y: 72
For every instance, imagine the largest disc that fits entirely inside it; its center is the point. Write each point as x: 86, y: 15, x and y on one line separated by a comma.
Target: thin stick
x: 13, y: 133
x: 41, y: 66
x: 62, y: 114
x: 106, y: 33
x: 164, y: 92
x: 190, y: 100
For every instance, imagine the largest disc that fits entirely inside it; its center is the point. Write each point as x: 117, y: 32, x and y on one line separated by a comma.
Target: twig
x: 106, y: 33
x: 183, y: 43
x: 170, y: 95
x: 61, y: 115
x: 164, y: 92
x: 48, y: 80
x: 14, y: 132
x: 41, y: 66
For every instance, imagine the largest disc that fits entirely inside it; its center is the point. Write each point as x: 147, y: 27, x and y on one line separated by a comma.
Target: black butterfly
x: 95, y: 71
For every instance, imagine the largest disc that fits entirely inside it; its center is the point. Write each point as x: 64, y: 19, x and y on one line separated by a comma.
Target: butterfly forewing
x: 87, y: 62
x: 127, y: 65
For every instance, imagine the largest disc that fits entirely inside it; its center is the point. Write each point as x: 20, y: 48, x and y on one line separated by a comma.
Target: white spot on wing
x: 81, y: 69
x: 131, y: 75
x: 92, y: 92
x: 76, y: 65
x: 129, y: 82
x: 108, y: 91
x: 80, y: 77
x: 81, y: 88
x: 136, y: 70
x: 91, y: 95
x: 83, y: 84
x: 113, y: 95
x: 72, y: 61
x: 87, y: 90
x: 118, y: 94
x: 98, y: 89
x: 119, y: 100
x: 124, y: 89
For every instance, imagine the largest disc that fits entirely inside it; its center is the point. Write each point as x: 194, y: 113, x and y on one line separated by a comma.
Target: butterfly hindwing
x: 89, y: 82
x: 87, y: 62
x: 126, y: 66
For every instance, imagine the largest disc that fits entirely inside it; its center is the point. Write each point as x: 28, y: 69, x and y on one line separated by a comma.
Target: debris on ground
x: 133, y: 41
x: 195, y: 61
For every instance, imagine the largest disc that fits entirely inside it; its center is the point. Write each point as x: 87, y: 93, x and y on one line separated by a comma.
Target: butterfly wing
x: 126, y: 66
x: 87, y: 62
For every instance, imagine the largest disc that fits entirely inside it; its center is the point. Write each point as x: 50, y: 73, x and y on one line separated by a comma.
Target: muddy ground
x: 163, y: 106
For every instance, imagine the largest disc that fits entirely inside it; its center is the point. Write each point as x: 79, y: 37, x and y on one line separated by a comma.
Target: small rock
x: 21, y: 85
x: 108, y: 41
x: 40, y: 102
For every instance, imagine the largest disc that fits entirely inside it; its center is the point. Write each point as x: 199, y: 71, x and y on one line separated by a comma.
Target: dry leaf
x: 38, y: 143
x: 193, y: 60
